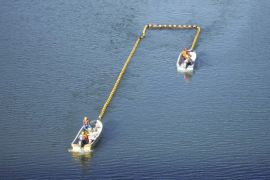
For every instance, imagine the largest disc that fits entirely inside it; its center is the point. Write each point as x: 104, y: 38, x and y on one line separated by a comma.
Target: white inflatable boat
x: 182, y: 64
x: 94, y: 133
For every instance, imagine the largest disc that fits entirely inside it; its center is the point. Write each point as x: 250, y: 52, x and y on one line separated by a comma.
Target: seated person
x: 186, y: 57
x: 84, y: 138
x: 188, y: 62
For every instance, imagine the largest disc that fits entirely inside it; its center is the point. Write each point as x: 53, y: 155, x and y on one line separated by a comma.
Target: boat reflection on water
x: 83, y: 158
x: 188, y: 76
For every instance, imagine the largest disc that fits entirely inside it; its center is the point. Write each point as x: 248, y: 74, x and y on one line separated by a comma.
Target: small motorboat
x: 182, y: 63
x: 94, y: 133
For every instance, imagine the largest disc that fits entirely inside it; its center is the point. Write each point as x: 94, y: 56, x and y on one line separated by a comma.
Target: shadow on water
x: 201, y: 61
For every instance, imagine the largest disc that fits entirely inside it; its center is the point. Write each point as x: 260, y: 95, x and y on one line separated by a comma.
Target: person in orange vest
x: 85, y: 123
x: 185, y: 54
x: 84, y: 138
x: 186, y: 57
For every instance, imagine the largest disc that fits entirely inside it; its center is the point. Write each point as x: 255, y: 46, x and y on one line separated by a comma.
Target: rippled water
x: 59, y: 60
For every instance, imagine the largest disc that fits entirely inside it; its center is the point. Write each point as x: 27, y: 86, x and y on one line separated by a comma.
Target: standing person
x: 85, y: 123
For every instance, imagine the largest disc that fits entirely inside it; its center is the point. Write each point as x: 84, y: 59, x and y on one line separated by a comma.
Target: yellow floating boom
x: 146, y: 27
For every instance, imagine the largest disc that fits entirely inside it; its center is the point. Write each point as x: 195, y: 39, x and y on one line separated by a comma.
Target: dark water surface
x: 59, y: 60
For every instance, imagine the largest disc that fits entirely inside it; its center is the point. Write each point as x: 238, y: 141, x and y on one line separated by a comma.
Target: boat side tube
x: 73, y: 142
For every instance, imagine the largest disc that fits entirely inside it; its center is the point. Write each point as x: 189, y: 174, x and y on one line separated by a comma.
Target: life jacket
x: 85, y: 137
x: 185, y: 54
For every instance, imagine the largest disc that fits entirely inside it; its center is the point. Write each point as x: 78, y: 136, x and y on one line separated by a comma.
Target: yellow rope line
x: 146, y: 27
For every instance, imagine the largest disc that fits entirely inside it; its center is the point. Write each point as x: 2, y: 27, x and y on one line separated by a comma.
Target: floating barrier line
x: 146, y: 27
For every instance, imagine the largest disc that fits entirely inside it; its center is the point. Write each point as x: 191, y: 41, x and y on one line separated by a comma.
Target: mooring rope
x: 146, y: 27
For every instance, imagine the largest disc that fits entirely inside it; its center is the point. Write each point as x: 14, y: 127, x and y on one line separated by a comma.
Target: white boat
x: 94, y: 133
x: 182, y: 64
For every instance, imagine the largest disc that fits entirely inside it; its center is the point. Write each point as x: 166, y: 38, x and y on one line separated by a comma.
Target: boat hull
x: 94, y: 136
x: 181, y: 65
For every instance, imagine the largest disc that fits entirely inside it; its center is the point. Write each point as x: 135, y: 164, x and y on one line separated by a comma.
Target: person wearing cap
x: 85, y: 122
